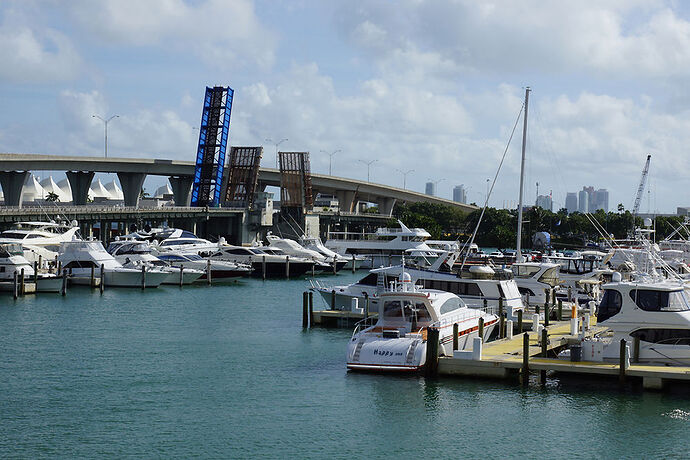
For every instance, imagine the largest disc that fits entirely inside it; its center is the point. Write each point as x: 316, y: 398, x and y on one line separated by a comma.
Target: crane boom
x: 640, y: 188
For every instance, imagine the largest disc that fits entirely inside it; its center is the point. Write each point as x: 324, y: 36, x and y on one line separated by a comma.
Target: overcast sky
x: 429, y: 86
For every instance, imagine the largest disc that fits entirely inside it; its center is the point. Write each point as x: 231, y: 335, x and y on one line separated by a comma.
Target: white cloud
x: 35, y: 56
x: 221, y: 32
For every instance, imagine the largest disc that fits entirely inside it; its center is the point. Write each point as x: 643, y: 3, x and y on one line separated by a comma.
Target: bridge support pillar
x: 80, y: 181
x: 386, y: 206
x: 12, y: 185
x: 131, y: 187
x: 181, y: 187
x: 346, y: 200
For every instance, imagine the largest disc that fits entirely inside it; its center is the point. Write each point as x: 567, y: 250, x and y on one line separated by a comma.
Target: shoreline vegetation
x: 499, y: 226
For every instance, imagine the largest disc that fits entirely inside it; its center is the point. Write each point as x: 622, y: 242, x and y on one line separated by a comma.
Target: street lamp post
x: 405, y: 173
x: 368, y: 163
x: 330, y: 160
x: 105, y: 124
x: 276, y: 144
x: 487, y: 190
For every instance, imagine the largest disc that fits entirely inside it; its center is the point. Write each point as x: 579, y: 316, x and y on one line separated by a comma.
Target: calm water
x: 227, y: 371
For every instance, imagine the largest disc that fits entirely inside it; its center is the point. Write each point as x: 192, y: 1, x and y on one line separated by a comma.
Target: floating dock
x: 504, y: 358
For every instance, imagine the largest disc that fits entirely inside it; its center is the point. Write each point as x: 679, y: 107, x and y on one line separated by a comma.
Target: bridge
x: 15, y: 167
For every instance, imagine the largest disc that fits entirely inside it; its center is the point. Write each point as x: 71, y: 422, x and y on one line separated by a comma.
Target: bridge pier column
x: 346, y: 200
x: 181, y: 187
x: 80, y: 181
x: 12, y: 185
x: 131, y: 187
x: 386, y: 206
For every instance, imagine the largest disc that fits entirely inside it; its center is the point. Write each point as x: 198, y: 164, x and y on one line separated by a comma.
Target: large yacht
x: 46, y: 235
x: 79, y: 257
x: 656, y: 312
x: 293, y: 248
x: 258, y: 258
x: 386, y: 246
x: 220, y: 269
x: 315, y: 244
x: 474, y: 286
x: 135, y: 254
x: 398, y: 340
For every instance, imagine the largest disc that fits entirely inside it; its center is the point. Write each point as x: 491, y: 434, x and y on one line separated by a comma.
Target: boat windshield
x: 405, y: 310
x: 8, y: 250
x: 550, y: 276
x: 525, y: 271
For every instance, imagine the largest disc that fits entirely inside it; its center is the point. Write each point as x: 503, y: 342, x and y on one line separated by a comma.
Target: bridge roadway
x: 15, y: 167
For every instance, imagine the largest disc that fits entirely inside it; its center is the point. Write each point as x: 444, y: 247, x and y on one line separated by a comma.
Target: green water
x: 228, y: 372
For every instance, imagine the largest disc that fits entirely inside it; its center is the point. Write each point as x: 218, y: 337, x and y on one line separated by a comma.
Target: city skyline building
x: 459, y: 194
x: 545, y: 202
x: 430, y: 189
x: 571, y: 202
x: 583, y: 201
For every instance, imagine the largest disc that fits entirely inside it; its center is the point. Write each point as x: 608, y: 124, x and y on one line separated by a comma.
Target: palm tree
x: 52, y: 197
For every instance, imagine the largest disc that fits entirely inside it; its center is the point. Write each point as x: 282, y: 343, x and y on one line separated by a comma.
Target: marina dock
x: 504, y: 359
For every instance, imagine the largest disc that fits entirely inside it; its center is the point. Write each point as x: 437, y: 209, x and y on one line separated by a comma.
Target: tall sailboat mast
x: 522, y: 179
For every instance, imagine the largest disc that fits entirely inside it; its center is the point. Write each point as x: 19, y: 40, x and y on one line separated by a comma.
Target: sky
x: 429, y: 86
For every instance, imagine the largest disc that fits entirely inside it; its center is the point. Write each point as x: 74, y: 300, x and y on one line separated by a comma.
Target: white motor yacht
x: 293, y: 248
x: 79, y: 257
x: 12, y: 260
x: 257, y: 258
x: 220, y: 269
x: 656, y: 312
x: 47, y: 235
x: 398, y: 340
x: 315, y: 244
x: 474, y: 287
x: 386, y: 246
x: 134, y: 254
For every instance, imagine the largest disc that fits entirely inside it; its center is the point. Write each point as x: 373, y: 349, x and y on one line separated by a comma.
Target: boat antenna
x: 518, y: 252
x: 486, y: 203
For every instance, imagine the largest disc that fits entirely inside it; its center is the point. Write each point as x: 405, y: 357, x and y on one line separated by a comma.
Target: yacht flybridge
x: 46, y: 235
x: 398, y: 340
x: 386, y: 246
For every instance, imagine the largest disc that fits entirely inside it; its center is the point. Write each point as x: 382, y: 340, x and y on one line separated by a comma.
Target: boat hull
x: 277, y: 269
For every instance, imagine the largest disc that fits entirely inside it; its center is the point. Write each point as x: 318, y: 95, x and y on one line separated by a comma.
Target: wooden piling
x: 621, y: 362
x: 636, y: 349
x: 15, y: 289
x: 311, y: 309
x: 333, y: 299
x: 519, y: 324
x: 63, y: 291
x: 40, y: 261
x: 92, y: 281
x: 525, y: 359
x: 335, y: 267
x: 287, y: 267
x: 263, y: 268
x: 500, y: 306
x: 366, y: 305
x: 486, y: 305
x: 570, y: 294
x: 59, y: 265
x: 501, y: 323
x: 101, y: 285
x: 208, y: 272
x: 546, y: 314
x: 305, y: 313
x: 143, y: 277
x: 36, y: 272
x: 431, y: 367
x: 353, y: 263
x: 544, y: 351
x: 22, y: 284
x: 480, y: 329
x: 455, y: 336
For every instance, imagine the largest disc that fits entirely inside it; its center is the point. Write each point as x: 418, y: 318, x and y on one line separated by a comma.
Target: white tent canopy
x: 66, y: 188
x: 50, y: 186
x: 163, y: 190
x: 97, y: 190
x: 114, y: 190
x: 32, y: 189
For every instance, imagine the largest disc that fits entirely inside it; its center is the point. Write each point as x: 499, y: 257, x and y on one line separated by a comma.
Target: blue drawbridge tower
x: 213, y: 140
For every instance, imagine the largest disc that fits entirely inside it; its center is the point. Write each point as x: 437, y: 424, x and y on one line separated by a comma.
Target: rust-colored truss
x: 243, y: 176
x: 295, y: 180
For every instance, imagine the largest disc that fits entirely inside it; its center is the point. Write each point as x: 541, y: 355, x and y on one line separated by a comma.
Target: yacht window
x: 473, y: 290
x: 33, y: 235
x: 170, y: 257
x: 527, y: 291
x: 369, y: 280
x: 450, y: 305
x: 653, y: 300
x: 13, y: 235
x: 256, y: 251
x: 663, y: 336
x: 550, y: 276
x: 81, y: 264
x: 525, y: 271
x: 610, y: 304
x: 392, y: 309
x: 238, y: 251
x: 193, y: 257
x: 2, y: 269
x: 415, y: 311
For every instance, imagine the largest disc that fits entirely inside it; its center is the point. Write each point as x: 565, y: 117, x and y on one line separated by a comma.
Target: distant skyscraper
x: 430, y: 188
x: 601, y: 200
x: 571, y: 202
x: 459, y: 194
x: 544, y: 202
x: 583, y: 201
